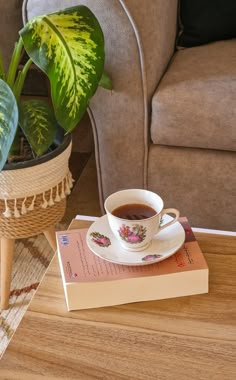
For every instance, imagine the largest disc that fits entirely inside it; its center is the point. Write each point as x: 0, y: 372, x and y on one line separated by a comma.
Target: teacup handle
x: 169, y: 211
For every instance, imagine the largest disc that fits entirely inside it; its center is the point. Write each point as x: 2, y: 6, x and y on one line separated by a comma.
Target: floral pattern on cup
x: 151, y: 257
x: 133, y: 235
x: 161, y: 221
x: 99, y: 239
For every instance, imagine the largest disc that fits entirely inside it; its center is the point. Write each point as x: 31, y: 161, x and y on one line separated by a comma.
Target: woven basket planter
x: 33, y: 194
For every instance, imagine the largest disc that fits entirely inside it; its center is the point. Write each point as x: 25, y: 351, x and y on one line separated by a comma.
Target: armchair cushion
x: 194, y: 104
x: 206, y: 21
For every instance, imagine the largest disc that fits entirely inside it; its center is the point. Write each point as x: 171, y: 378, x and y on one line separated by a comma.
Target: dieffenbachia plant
x: 68, y: 46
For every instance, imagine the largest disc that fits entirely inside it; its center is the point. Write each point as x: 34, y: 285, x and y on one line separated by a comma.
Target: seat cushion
x: 195, y: 102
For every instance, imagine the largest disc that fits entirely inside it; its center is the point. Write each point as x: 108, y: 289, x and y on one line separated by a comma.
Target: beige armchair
x: 169, y: 124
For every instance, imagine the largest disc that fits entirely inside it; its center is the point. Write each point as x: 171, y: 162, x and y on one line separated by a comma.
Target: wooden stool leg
x: 51, y: 237
x: 7, y: 251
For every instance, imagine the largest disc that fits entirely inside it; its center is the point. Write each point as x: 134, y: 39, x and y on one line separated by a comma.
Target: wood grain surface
x: 184, y: 338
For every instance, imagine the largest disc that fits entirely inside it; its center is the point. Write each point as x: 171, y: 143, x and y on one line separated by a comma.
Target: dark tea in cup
x: 134, y: 211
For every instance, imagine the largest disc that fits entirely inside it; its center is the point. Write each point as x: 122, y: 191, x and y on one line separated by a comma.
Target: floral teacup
x: 136, y: 230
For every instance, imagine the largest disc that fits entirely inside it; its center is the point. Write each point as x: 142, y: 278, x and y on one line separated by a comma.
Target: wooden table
x: 184, y: 338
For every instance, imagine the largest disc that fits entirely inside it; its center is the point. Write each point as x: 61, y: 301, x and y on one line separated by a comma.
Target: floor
x: 84, y: 198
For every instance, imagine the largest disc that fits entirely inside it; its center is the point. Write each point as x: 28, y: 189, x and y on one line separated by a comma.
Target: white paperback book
x: 91, y: 282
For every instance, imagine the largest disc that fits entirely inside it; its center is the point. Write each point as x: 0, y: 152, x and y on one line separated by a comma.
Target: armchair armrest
x: 155, y: 26
x: 140, y: 39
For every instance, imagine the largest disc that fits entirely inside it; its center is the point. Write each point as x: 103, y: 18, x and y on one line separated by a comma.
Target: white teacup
x: 137, y: 233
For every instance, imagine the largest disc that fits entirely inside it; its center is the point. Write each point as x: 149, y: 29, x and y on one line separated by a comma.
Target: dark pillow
x: 204, y: 21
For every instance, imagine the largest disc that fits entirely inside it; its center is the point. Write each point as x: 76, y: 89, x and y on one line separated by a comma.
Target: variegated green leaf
x: 69, y: 47
x: 8, y: 120
x: 39, y: 125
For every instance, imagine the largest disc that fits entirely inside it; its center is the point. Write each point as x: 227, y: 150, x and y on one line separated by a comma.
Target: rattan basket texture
x: 33, y: 199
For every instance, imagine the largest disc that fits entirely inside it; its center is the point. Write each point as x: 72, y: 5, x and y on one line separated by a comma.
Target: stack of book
x: 91, y: 282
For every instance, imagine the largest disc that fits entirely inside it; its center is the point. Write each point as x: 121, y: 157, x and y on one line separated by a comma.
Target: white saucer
x: 103, y: 243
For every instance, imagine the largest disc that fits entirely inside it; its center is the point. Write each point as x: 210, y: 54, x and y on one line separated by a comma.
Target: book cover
x: 91, y: 282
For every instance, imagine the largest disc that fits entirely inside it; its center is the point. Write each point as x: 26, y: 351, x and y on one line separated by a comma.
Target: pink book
x: 90, y: 281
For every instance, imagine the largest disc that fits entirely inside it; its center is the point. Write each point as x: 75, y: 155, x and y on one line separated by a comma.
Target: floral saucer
x: 103, y: 243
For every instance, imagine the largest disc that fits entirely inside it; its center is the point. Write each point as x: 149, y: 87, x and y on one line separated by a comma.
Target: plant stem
x: 15, y: 60
x: 15, y: 146
x: 19, y: 83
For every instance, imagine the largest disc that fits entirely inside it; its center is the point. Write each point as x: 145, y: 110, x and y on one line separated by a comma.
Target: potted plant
x: 68, y: 46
